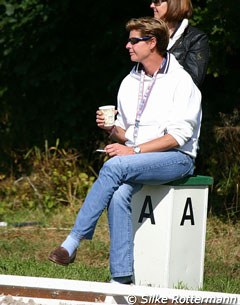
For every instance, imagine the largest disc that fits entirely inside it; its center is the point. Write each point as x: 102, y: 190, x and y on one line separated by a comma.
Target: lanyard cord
x: 142, y: 101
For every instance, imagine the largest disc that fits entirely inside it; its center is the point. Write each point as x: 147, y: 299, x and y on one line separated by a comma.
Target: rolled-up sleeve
x: 184, y: 116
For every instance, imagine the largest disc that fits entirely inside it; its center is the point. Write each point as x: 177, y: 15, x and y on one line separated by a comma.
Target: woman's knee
x: 112, y: 165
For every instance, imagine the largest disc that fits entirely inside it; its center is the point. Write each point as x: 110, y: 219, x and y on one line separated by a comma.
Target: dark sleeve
x: 192, y: 52
x: 196, y: 60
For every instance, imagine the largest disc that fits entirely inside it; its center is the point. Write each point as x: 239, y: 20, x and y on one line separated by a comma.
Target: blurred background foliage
x: 60, y: 60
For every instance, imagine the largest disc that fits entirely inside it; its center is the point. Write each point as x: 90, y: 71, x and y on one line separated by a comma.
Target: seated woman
x: 156, y: 134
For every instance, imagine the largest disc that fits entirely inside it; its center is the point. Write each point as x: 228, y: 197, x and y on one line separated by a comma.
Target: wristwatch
x: 136, y: 149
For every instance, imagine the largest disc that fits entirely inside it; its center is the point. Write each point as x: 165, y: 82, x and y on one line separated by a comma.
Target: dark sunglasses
x: 158, y: 2
x: 134, y: 40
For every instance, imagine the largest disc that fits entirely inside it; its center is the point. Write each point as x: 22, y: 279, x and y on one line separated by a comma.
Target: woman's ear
x: 153, y: 42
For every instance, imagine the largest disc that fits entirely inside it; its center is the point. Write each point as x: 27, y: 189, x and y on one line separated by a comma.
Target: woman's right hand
x: 100, y: 119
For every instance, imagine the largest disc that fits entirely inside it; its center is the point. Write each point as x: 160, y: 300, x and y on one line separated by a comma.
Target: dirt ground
x: 9, y: 300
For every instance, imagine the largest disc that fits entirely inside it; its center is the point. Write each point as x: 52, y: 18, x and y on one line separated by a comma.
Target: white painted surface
x: 168, y: 254
x: 114, y: 290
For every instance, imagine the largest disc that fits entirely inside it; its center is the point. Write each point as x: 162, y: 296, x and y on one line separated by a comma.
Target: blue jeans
x: 119, y: 178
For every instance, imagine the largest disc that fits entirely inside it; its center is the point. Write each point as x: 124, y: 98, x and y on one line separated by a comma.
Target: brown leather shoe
x: 60, y: 256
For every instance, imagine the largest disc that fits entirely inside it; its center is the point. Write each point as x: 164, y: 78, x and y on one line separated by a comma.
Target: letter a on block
x: 190, y: 215
x: 147, y: 202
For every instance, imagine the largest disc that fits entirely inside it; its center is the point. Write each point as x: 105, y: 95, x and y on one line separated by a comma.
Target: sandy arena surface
x: 9, y: 300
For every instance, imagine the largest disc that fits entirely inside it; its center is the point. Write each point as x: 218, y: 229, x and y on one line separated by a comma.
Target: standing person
x: 188, y: 44
x: 156, y: 134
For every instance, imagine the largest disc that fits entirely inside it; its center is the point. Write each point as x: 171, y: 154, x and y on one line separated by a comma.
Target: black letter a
x: 190, y: 216
x: 147, y: 215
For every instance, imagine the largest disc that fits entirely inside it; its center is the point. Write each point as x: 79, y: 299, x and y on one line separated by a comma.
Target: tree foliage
x: 60, y: 60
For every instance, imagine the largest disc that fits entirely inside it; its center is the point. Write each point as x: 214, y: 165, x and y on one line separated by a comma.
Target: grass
x: 24, y: 250
x: 222, y: 260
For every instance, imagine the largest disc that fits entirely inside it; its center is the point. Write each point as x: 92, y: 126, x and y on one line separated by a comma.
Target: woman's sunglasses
x: 134, y: 40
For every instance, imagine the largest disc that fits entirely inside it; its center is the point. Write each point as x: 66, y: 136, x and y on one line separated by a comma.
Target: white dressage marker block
x: 169, y: 233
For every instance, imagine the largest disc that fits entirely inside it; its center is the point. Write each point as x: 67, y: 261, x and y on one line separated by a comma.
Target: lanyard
x: 142, y: 101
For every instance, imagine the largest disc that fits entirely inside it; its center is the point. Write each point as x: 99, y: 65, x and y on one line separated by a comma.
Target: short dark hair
x: 149, y: 26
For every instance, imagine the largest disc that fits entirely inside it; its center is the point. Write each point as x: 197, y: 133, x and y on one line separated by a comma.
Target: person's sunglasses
x: 134, y: 40
x: 158, y: 2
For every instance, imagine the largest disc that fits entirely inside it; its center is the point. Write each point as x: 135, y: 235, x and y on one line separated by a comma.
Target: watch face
x: 137, y: 150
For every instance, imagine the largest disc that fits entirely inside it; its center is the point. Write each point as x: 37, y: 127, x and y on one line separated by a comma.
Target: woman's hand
x: 100, y: 120
x: 118, y: 150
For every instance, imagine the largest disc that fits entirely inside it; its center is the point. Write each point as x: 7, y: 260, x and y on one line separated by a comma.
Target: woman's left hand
x: 116, y: 149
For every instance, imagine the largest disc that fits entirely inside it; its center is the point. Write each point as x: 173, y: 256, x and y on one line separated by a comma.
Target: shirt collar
x: 164, y: 66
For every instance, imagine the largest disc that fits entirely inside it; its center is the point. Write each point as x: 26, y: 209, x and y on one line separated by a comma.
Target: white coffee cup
x: 109, y: 114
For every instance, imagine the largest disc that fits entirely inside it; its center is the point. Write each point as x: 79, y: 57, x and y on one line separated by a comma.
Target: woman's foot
x: 61, y: 256
x: 122, y: 280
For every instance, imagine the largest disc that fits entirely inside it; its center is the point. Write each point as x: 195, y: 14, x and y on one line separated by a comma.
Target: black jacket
x: 192, y: 52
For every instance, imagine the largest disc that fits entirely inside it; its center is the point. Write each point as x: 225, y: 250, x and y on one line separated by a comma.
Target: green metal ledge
x: 193, y: 180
